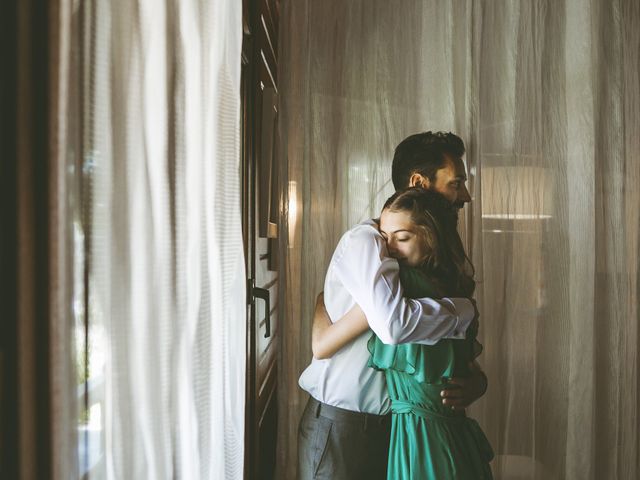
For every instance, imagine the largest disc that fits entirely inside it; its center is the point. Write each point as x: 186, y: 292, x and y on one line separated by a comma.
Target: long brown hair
x: 447, y: 265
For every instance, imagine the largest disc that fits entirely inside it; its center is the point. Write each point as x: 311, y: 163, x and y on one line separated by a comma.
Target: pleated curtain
x: 159, y: 161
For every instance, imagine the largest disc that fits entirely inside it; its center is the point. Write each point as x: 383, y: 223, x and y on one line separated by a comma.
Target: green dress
x: 428, y: 439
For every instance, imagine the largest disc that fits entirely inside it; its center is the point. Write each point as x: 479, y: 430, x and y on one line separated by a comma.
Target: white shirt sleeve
x: 372, y: 278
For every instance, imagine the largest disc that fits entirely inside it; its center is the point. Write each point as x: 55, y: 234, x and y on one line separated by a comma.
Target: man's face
x: 450, y: 181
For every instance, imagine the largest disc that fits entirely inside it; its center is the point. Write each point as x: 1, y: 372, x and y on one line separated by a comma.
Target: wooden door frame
x: 35, y: 361
x: 248, y: 226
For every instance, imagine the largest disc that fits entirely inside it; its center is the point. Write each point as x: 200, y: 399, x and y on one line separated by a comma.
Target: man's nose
x: 463, y: 196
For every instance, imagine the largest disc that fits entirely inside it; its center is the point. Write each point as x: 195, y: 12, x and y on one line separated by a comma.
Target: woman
x: 428, y: 439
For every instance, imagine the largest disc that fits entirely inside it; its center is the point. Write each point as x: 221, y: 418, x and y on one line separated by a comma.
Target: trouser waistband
x: 338, y: 414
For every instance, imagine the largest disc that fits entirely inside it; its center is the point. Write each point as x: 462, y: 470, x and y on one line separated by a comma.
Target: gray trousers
x: 338, y: 444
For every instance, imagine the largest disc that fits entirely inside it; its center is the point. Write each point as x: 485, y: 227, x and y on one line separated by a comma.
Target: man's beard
x: 455, y: 206
x: 456, y: 209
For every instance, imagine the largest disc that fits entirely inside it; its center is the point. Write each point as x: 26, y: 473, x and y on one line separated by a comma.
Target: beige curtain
x: 546, y: 95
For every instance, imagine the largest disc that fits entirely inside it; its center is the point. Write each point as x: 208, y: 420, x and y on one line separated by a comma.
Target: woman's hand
x: 321, y: 322
x: 467, y: 390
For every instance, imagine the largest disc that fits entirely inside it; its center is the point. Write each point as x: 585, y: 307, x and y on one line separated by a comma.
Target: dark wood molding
x: 9, y: 452
x: 34, y: 242
x: 32, y: 169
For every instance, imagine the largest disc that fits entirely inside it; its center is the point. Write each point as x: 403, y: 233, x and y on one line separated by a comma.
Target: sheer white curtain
x: 546, y: 95
x: 161, y: 197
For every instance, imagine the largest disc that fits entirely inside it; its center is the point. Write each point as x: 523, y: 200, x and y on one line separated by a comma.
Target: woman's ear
x: 419, y: 180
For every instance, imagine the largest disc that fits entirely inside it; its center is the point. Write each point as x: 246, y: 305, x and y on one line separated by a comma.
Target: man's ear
x: 419, y: 180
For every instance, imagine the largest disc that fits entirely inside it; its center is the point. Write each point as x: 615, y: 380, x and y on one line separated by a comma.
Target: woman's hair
x: 447, y: 263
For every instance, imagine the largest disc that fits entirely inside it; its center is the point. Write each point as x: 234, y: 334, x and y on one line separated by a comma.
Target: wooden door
x: 260, y: 229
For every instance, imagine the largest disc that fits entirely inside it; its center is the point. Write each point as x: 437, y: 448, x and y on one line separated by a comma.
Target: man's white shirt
x: 362, y: 272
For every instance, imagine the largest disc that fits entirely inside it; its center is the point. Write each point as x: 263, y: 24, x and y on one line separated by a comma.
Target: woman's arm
x: 326, y: 337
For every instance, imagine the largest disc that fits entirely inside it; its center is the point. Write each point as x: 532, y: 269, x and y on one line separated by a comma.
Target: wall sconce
x: 292, y: 212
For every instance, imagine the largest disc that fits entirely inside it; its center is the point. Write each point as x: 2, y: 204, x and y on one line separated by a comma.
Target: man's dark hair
x: 423, y: 153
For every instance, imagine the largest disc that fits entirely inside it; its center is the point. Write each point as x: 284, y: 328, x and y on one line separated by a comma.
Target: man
x: 344, y: 431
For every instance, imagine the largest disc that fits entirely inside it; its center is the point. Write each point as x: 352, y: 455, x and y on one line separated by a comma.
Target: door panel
x: 260, y: 227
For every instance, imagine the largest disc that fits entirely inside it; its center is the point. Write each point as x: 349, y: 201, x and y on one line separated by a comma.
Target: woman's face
x: 405, y: 240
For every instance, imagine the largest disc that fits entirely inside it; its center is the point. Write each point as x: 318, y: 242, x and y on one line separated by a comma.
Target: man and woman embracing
x: 394, y: 336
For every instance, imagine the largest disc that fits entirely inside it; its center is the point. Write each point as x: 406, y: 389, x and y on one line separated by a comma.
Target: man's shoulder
x: 361, y: 238
x: 365, y: 231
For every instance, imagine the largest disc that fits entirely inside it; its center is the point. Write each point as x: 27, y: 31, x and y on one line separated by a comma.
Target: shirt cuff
x: 465, y: 312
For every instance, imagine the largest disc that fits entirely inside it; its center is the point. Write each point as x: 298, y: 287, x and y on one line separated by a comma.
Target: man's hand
x: 465, y: 390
